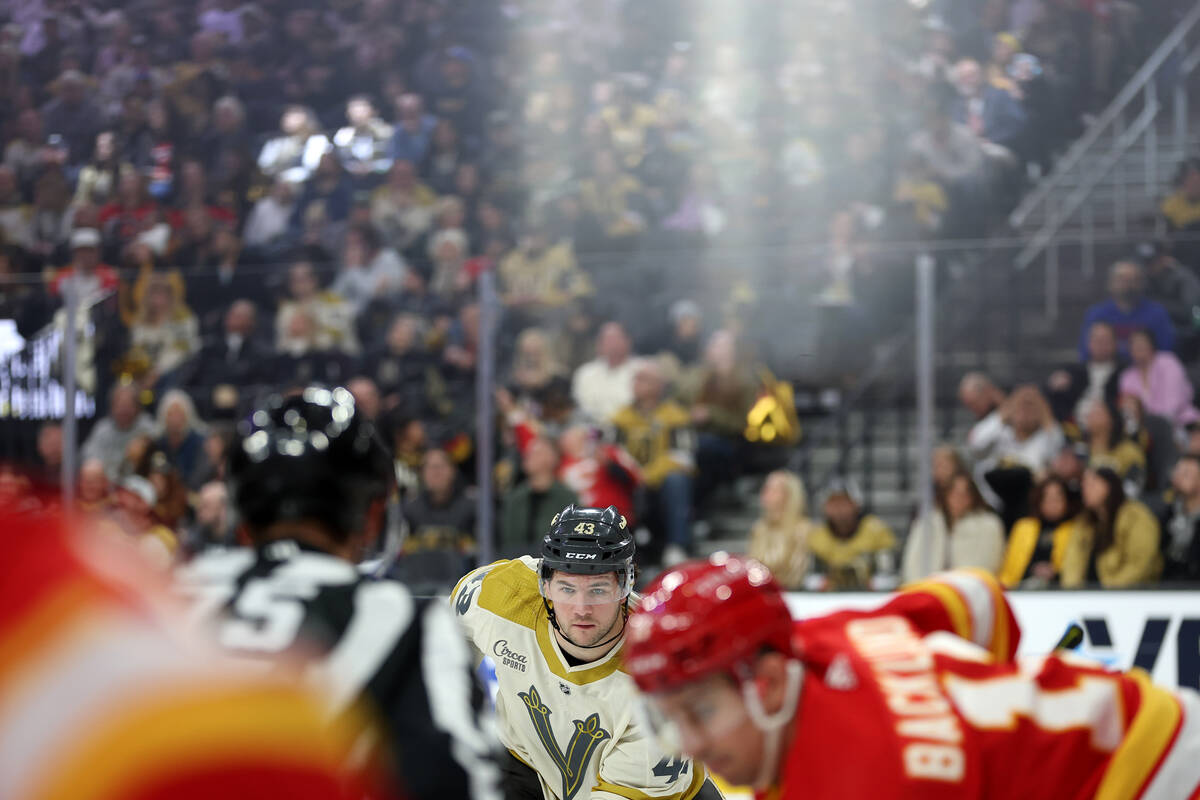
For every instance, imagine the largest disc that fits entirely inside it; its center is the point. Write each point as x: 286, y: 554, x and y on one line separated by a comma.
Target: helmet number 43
x: 586, y: 527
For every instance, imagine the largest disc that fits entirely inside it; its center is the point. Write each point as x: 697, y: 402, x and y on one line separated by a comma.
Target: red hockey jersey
x: 924, y: 698
x: 101, y: 699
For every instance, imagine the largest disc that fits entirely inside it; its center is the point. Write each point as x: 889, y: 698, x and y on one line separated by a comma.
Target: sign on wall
x: 1157, y: 631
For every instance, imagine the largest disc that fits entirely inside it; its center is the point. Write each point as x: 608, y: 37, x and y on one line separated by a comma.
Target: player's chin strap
x: 772, y: 724
x: 608, y: 641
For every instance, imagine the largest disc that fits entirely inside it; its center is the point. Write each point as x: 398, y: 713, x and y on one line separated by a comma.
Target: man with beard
x: 554, y: 628
x: 1127, y: 310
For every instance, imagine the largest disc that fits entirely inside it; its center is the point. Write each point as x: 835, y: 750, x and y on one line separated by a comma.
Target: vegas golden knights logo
x: 573, y: 761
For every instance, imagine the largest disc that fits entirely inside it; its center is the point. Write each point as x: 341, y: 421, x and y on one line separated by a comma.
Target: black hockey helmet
x: 312, y: 456
x: 589, y: 541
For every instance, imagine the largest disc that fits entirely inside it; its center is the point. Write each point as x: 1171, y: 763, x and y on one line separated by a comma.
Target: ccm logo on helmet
x: 587, y: 556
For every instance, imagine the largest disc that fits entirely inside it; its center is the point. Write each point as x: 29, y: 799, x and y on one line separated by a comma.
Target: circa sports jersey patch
x: 572, y: 761
x: 508, y: 657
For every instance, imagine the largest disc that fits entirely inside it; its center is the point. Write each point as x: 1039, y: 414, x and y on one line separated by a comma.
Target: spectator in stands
x: 95, y: 488
x: 402, y: 208
x: 921, y: 195
x: 362, y: 146
x: 601, y: 474
x: 1158, y: 380
x: 97, y: 180
x: 226, y: 277
x: 229, y: 363
x: 23, y: 155
x: 182, y: 436
x: 267, y: 227
x: 1180, y: 518
x: 1038, y: 543
x: 52, y: 216
x: 947, y: 462
x: 130, y: 212
x: 1005, y: 47
x: 154, y: 150
x: 441, y: 520
x: 1013, y: 447
x: 369, y: 272
x: 401, y: 366
x: 113, y: 433
x: 15, y: 216
x: 213, y: 526
x: 330, y: 194
x: 779, y: 537
x: 979, y: 395
x: 1116, y: 540
x: 538, y: 278
x: 1110, y: 446
x: 169, y: 487
x: 851, y: 549
x: 657, y: 433
x: 366, y: 397
x: 528, y: 508
x: 50, y: 455
x: 443, y: 159
x: 1177, y: 288
x: 953, y: 154
x: 603, y: 386
x: 684, y: 340
x: 727, y: 390
x: 988, y: 112
x: 962, y: 532
x: 307, y: 354
x: 226, y: 137
x: 332, y: 318
x: 448, y: 252
x: 1156, y: 436
x: 134, y: 517
x: 90, y: 277
x: 296, y: 154
x: 1128, y: 310
x: 413, y: 132
x: 534, y: 365
x: 73, y: 115
x: 1072, y: 389
x: 615, y: 198
x: 1182, y: 211
x: 164, y: 332
x: 409, y: 444
x: 456, y: 88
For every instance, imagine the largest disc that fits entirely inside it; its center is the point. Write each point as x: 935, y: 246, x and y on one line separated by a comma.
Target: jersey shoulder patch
x: 507, y: 589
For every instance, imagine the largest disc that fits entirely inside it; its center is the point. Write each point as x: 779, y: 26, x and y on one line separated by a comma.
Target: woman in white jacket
x: 962, y: 532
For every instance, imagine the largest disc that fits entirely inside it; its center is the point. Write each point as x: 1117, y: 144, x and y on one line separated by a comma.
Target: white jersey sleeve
x: 575, y: 725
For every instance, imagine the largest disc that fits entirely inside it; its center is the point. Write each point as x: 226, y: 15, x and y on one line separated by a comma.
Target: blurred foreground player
x: 101, y: 699
x: 310, y: 479
x: 554, y: 627
x: 921, y: 698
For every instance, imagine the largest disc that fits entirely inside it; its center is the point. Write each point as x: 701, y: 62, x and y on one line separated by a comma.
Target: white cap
x: 136, y: 484
x: 85, y: 237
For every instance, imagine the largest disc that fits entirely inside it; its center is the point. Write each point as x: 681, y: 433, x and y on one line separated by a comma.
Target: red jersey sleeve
x: 968, y: 603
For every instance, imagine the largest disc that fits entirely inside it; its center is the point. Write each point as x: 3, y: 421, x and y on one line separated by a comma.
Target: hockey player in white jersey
x: 566, y: 709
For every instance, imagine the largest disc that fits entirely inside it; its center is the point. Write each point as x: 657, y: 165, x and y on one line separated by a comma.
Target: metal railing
x: 1167, y: 68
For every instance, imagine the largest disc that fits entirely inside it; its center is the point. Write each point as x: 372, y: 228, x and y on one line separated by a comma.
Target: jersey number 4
x: 671, y: 769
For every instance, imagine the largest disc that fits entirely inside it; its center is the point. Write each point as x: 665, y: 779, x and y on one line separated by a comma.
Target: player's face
x: 587, y: 607
x: 707, y: 720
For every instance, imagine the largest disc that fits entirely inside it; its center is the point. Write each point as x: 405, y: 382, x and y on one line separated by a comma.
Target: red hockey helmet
x: 704, y: 617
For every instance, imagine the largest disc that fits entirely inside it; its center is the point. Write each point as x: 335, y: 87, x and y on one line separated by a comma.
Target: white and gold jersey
x: 577, y: 727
